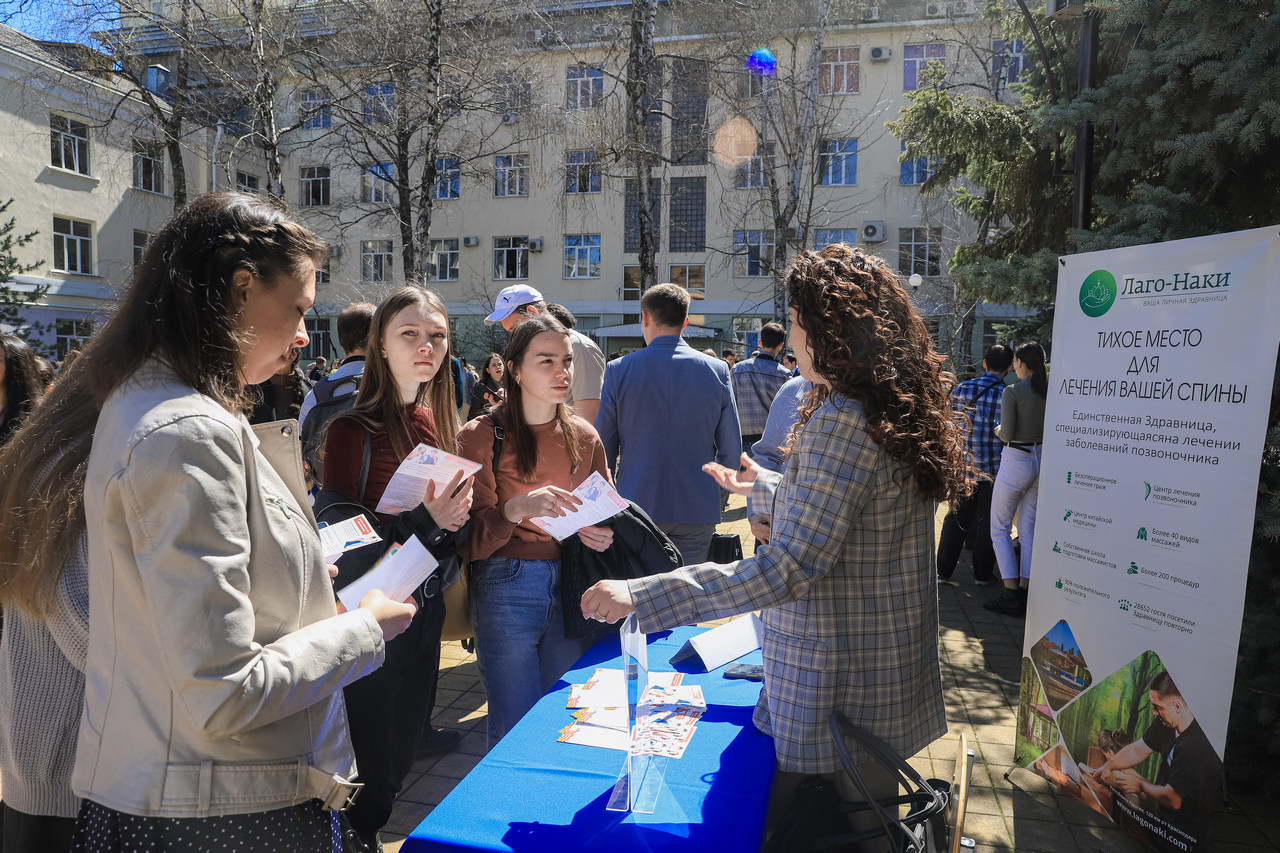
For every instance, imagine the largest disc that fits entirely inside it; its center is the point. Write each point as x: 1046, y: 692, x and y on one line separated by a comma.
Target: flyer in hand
x: 600, y: 501
x: 425, y: 464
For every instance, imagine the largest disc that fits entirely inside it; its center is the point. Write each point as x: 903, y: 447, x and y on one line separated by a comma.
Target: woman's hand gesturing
x: 738, y: 482
x: 452, y: 507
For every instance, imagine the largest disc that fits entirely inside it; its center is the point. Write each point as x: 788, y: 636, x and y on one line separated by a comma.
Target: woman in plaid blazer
x: 845, y: 582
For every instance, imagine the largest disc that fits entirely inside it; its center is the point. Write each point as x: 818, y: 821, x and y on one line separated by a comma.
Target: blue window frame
x: 838, y: 162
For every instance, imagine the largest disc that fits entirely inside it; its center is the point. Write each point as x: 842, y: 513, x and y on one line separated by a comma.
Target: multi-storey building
x: 532, y: 189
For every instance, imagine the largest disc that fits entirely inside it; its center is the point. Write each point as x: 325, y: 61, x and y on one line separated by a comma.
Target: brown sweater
x: 491, y: 534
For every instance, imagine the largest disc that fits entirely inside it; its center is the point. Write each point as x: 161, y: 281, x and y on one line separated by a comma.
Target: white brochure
x: 338, y: 539
x: 424, y: 465
x: 599, y: 502
x: 398, y: 574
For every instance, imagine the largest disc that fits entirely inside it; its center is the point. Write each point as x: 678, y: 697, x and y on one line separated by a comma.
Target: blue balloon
x: 761, y: 62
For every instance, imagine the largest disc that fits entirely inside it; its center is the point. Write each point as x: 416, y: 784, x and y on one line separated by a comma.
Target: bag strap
x: 499, y: 434
x: 364, y: 465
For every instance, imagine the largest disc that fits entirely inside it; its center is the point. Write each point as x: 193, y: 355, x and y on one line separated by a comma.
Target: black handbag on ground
x: 725, y: 548
x: 818, y: 820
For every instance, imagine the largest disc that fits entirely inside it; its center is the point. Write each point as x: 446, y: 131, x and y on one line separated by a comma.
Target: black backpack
x: 333, y: 397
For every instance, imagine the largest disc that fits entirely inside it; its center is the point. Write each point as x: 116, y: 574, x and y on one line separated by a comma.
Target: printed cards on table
x: 600, y: 501
x: 667, y: 715
x: 424, y: 465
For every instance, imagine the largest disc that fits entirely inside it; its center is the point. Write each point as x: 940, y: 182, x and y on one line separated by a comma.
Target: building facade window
x: 510, y: 258
x: 318, y: 339
x: 838, y: 71
x: 377, y: 184
x: 916, y: 172
x: 753, y: 253
x: 71, y: 334
x: 753, y: 84
x: 582, y: 256
x: 631, y: 284
x: 316, y: 110
x: 379, y: 103
x: 827, y: 236
x: 1008, y: 60
x: 510, y: 175
x: 246, y: 183
x: 688, y: 229
x: 581, y: 172
x: 148, y: 165
x: 838, y: 162
x: 376, y: 261
x: 692, y: 277
x: 920, y: 251
x: 442, y: 259
x: 631, y: 215
x: 69, y: 144
x: 448, y: 183
x: 690, y: 85
x: 141, y: 239
x: 72, y: 246
x: 753, y: 172
x: 324, y: 273
x: 584, y: 87
x: 315, y: 184
x: 914, y: 59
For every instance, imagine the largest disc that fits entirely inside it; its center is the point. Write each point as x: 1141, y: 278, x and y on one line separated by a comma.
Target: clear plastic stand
x: 641, y: 778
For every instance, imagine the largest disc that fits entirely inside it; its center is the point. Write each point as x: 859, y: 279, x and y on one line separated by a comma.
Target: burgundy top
x: 344, y: 452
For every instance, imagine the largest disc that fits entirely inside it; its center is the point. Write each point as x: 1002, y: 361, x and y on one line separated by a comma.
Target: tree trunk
x: 429, y: 141
x: 641, y: 74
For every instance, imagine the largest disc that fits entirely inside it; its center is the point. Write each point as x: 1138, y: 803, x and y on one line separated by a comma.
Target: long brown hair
x: 178, y: 310
x: 511, y: 413
x: 869, y: 344
x: 378, y: 406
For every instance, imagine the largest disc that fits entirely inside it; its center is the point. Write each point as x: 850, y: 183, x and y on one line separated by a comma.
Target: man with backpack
x: 336, y: 392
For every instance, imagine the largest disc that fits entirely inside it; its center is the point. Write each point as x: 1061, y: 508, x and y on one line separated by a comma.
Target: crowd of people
x: 175, y: 673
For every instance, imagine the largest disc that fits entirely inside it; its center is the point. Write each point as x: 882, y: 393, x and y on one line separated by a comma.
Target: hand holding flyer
x: 600, y: 501
x: 425, y: 464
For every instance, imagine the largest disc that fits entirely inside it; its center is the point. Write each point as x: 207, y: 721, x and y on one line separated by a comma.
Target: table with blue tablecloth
x: 531, y: 793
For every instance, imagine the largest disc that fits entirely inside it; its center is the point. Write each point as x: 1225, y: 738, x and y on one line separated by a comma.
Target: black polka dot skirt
x: 306, y: 828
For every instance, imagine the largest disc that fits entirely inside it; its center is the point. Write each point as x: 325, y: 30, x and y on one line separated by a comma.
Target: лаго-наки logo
x: 1097, y: 293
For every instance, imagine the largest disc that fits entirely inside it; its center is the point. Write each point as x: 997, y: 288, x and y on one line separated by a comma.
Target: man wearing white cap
x: 519, y: 301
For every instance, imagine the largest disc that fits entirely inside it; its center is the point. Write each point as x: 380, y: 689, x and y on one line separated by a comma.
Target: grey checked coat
x: 846, y: 584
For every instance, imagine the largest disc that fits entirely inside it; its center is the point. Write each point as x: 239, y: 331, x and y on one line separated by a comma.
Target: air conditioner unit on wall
x: 510, y: 118
x: 871, y: 14
x: 881, y: 54
x: 964, y: 7
x: 535, y: 245
x: 935, y: 10
x: 873, y: 231
x: 335, y: 250
x: 601, y: 30
x: 1064, y: 9
x: 471, y: 241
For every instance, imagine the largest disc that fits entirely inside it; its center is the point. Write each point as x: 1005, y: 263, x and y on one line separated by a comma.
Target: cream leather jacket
x: 216, y: 656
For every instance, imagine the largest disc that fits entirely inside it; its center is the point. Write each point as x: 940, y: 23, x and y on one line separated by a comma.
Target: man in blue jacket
x: 665, y: 411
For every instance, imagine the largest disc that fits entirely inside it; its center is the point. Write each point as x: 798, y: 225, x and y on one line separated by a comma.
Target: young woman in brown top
x: 547, y: 451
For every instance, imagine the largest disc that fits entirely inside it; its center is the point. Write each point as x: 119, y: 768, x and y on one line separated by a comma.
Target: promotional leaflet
x: 1159, y: 388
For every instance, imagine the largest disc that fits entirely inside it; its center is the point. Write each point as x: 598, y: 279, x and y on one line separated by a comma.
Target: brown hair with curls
x: 177, y: 311
x: 868, y: 344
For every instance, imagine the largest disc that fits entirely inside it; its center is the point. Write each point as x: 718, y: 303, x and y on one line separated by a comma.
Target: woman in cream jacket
x: 213, y: 715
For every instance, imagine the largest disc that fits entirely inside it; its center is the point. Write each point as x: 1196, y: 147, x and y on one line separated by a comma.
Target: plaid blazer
x: 847, y: 592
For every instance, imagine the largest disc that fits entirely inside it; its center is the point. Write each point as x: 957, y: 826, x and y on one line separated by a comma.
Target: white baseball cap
x: 509, y: 300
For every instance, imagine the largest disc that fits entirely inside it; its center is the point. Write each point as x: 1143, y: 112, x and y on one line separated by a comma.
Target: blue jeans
x: 1017, y: 486
x: 520, y: 642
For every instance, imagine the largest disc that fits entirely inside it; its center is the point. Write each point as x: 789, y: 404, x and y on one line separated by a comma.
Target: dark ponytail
x: 1032, y: 355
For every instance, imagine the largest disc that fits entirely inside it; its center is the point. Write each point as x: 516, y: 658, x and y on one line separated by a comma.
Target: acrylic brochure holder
x: 641, y: 778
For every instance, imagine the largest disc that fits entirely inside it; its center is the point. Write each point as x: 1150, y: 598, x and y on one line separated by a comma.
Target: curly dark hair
x: 868, y: 344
